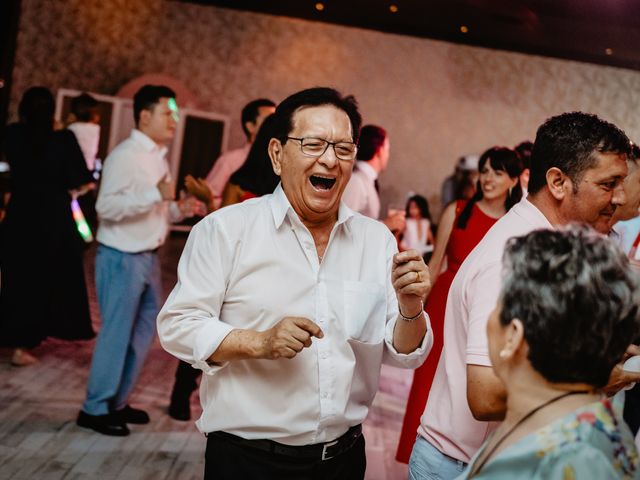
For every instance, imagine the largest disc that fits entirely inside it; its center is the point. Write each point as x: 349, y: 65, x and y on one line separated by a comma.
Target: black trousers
x: 186, y: 382
x: 226, y: 460
x: 632, y: 409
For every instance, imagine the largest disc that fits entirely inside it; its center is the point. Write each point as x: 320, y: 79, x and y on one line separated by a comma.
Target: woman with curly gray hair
x: 567, y: 312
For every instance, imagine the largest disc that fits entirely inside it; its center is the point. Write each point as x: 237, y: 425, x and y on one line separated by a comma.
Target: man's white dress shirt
x: 133, y: 217
x: 226, y: 165
x: 361, y: 194
x: 249, y: 265
x: 625, y: 233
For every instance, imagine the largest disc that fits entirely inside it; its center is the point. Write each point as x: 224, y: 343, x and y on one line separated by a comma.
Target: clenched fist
x: 288, y: 337
x: 411, y: 281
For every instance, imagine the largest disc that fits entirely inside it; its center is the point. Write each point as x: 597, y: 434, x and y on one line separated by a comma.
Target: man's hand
x: 287, y: 338
x: 200, y: 189
x: 620, y: 378
x: 189, y: 206
x: 411, y: 281
x: 167, y: 189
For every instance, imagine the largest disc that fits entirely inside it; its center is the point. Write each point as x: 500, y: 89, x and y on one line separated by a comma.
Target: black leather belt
x: 319, y: 451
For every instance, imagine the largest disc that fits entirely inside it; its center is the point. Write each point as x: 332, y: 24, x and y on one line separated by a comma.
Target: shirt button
x: 325, y: 395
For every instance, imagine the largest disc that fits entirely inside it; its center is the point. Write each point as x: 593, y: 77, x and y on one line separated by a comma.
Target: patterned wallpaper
x: 437, y: 100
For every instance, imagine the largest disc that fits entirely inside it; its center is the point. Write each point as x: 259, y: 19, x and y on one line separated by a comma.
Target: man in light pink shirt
x: 226, y: 165
x: 578, y: 166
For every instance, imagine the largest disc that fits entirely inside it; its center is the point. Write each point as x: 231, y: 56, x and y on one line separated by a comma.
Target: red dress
x: 461, y: 242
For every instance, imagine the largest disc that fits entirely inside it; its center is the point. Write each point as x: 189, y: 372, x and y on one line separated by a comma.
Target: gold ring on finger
x: 419, y: 277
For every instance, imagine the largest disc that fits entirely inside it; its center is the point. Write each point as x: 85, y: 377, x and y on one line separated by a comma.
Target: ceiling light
x: 393, y: 8
x: 608, y: 51
x: 464, y: 28
x: 320, y: 6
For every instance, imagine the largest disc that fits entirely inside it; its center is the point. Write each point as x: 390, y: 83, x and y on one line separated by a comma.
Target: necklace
x: 476, y: 468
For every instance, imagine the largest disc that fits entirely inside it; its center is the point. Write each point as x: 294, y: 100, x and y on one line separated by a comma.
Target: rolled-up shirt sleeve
x: 391, y: 356
x: 189, y: 325
x: 406, y: 360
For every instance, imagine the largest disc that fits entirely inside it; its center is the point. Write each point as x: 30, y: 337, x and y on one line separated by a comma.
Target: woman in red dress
x: 462, y: 226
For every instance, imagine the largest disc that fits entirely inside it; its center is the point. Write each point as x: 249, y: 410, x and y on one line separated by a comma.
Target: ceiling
x: 597, y: 31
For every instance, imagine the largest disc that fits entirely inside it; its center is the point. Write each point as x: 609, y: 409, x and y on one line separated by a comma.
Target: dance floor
x: 38, y: 405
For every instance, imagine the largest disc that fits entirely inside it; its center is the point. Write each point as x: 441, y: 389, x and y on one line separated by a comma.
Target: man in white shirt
x: 135, y: 205
x: 290, y: 303
x: 361, y: 194
x: 578, y: 166
x: 626, y: 220
x: 253, y: 114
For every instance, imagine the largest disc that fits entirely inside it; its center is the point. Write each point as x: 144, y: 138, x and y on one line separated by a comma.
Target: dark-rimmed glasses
x: 315, y: 147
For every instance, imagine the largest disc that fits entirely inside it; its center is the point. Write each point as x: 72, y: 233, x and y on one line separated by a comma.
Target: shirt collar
x: 614, y: 234
x: 532, y: 214
x: 367, y: 169
x: 280, y: 207
x: 146, y: 142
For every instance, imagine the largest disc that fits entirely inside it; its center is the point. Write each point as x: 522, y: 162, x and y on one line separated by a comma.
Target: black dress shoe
x: 180, y: 409
x: 105, y: 424
x: 132, y: 415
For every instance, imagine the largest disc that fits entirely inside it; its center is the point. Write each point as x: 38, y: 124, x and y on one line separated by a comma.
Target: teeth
x: 321, y: 182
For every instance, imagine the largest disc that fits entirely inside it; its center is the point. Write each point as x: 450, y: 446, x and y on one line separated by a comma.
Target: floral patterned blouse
x: 592, y: 442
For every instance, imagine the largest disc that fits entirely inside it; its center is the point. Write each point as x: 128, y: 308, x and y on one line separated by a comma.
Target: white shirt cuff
x: 407, y: 360
x: 208, y: 339
x: 152, y: 196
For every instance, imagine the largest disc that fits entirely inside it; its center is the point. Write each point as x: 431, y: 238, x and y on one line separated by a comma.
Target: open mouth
x: 322, y: 183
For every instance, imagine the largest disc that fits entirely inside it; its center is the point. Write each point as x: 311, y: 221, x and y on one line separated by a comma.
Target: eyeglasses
x: 315, y: 147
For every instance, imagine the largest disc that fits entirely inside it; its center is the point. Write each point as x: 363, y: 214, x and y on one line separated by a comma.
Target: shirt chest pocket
x: 365, y: 308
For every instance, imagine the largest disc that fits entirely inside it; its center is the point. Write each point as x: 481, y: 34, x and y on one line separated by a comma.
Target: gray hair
x: 577, y: 296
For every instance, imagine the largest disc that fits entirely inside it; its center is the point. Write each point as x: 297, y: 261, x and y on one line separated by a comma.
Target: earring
x: 510, y: 189
x: 503, y: 354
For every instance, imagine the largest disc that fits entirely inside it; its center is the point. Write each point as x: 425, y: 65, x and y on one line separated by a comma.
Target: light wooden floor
x: 39, y: 404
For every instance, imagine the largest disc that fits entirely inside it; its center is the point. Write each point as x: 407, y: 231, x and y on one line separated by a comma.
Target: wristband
x: 411, y: 319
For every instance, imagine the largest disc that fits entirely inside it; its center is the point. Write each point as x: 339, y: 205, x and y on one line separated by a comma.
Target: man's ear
x: 145, y: 115
x: 275, y: 154
x: 558, y: 183
x: 251, y: 128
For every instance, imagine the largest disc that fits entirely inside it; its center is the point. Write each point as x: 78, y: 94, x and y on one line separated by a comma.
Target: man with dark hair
x: 289, y: 304
x: 626, y: 233
x: 253, y: 114
x: 86, y: 126
x: 578, y: 166
x: 135, y: 205
x: 361, y: 193
x: 84, y: 108
x: 524, y: 150
x: 626, y: 219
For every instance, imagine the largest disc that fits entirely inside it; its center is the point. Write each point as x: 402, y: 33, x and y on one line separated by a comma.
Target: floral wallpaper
x: 437, y: 100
